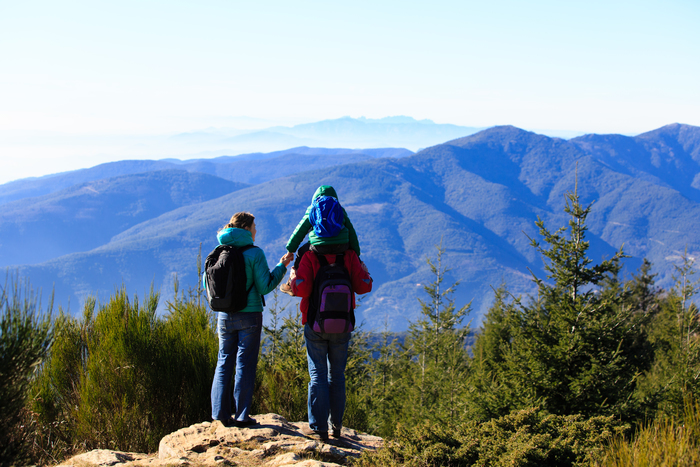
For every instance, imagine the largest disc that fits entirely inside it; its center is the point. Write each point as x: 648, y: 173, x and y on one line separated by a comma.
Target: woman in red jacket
x: 327, y: 353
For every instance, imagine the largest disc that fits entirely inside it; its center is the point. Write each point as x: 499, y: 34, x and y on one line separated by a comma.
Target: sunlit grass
x: 663, y: 442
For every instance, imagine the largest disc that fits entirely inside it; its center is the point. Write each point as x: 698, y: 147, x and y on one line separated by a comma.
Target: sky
x: 85, y: 82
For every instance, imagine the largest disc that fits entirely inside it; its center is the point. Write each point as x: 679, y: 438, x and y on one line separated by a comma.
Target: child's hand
x: 287, y: 258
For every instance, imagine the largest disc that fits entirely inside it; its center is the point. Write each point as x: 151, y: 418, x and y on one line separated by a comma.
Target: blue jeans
x: 239, y: 343
x: 327, y: 388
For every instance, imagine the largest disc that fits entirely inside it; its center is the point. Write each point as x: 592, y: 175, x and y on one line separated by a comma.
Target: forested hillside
x: 480, y: 195
x: 591, y: 370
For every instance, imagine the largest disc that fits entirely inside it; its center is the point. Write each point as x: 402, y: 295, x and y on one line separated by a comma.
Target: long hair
x: 241, y: 220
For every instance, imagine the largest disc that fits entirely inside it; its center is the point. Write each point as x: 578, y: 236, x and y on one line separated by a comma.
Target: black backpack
x: 225, y: 278
x: 330, y: 306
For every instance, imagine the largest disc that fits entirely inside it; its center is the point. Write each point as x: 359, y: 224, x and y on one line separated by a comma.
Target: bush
x: 281, y: 391
x: 56, y: 392
x: 124, y: 377
x: 528, y: 437
x: 25, y: 337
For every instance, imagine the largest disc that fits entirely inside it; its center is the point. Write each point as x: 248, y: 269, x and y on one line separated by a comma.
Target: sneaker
x: 287, y: 288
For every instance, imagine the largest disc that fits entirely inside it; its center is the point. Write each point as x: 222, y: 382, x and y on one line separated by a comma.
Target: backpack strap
x: 324, y: 262
x: 247, y: 292
x: 242, y: 249
x: 311, y: 310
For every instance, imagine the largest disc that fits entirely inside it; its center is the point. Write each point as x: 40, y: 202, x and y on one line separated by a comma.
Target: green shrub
x: 523, y: 438
x: 281, y: 391
x: 56, y: 392
x: 123, y: 378
x: 25, y: 336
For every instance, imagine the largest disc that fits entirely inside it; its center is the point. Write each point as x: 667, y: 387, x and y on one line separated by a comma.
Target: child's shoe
x: 287, y: 287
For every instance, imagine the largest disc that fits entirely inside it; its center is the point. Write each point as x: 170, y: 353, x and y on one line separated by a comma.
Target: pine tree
x: 578, y: 346
x: 436, y: 349
x: 273, y: 334
x: 490, y: 394
x: 674, y: 380
x: 358, y: 376
x: 384, y: 396
x: 688, y: 326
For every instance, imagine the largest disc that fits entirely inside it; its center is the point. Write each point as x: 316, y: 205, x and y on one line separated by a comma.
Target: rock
x: 290, y: 458
x: 273, y: 442
x: 104, y: 457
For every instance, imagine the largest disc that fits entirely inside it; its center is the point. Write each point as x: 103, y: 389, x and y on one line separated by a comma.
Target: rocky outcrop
x: 274, y: 442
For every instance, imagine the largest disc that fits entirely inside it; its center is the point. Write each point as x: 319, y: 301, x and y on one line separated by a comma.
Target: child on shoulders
x: 329, y: 228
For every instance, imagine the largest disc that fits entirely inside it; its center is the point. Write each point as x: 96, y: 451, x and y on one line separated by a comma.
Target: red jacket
x: 303, y: 283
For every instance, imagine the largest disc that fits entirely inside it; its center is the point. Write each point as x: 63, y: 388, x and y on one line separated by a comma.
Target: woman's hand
x: 287, y: 258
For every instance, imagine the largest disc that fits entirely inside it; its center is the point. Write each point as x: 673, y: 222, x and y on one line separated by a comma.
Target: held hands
x: 287, y: 258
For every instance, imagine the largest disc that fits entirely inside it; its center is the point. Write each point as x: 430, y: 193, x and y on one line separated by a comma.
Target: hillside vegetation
x: 589, y: 370
x: 480, y: 194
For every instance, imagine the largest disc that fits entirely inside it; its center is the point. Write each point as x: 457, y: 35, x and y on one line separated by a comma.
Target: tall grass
x: 664, y: 442
x: 25, y: 336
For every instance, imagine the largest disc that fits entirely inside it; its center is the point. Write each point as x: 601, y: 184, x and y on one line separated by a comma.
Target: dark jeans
x: 327, y: 355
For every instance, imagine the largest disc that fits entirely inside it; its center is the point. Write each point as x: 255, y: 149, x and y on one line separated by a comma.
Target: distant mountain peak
x: 682, y: 137
x: 507, y: 129
x: 672, y: 129
x: 497, y: 133
x: 396, y: 119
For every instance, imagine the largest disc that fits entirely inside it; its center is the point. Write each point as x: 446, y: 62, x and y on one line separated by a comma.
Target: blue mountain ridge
x: 479, y: 195
x: 87, y: 215
x: 234, y: 168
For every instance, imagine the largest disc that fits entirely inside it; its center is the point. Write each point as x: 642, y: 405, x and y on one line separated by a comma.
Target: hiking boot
x: 228, y: 423
x: 245, y: 423
x: 287, y: 288
x: 336, y: 433
x: 313, y: 434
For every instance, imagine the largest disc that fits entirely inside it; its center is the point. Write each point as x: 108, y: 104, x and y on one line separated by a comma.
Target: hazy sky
x: 75, y: 75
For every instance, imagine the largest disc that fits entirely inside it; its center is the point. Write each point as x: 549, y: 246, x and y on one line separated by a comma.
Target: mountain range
x: 344, y: 132
x: 139, y: 223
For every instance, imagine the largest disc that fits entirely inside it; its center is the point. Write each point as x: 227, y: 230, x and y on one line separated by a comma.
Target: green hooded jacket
x: 256, y: 269
x: 346, y: 235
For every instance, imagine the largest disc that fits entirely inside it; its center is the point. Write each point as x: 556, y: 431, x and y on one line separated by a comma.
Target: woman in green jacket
x: 239, y: 332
